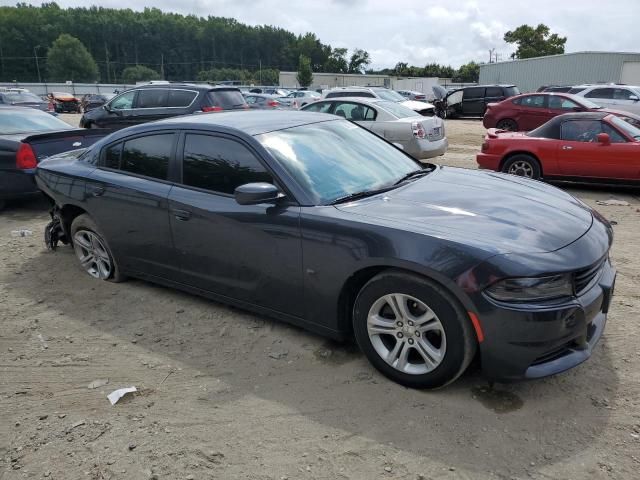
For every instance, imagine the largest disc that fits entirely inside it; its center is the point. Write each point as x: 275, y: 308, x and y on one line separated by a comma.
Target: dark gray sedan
x: 24, y: 99
x: 314, y: 220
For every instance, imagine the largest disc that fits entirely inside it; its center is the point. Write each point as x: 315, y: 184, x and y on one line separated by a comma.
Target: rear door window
x: 322, y: 107
x: 494, y: 92
x: 220, y: 164
x: 562, y: 103
x: 532, y: 101
x: 153, y: 98
x: 148, y: 156
x: 226, y: 99
x: 181, y: 98
x: 605, y: 93
x: 473, y: 93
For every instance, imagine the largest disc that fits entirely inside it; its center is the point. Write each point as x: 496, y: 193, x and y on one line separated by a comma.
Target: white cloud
x: 420, y: 31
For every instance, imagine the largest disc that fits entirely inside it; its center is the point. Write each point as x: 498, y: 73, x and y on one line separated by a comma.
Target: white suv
x: 619, y: 97
x: 423, y: 108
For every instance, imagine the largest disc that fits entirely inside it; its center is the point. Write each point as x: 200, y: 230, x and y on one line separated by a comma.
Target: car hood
x: 416, y: 105
x: 496, y: 212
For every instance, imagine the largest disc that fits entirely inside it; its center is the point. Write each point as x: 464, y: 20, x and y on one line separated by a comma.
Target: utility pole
x: 260, y: 62
x: 162, y: 65
x: 35, y: 52
x: 491, y: 52
x: 106, y: 56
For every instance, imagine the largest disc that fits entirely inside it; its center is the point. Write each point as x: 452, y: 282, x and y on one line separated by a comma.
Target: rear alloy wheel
x: 522, y: 165
x: 507, y: 124
x: 413, y: 330
x: 92, y: 250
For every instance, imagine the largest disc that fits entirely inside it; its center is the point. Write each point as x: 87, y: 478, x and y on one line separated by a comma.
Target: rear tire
x: 92, y: 250
x: 523, y: 165
x: 413, y: 330
x: 507, y: 124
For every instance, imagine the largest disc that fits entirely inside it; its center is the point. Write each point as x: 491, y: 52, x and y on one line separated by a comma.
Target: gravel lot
x: 226, y: 394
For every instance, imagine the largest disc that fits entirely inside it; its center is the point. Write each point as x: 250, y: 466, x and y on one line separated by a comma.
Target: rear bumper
x: 488, y: 161
x: 424, y: 149
x: 533, y: 342
x: 16, y: 184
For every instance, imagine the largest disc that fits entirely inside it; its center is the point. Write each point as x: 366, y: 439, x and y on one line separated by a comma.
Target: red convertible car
x: 587, y: 146
x: 529, y: 111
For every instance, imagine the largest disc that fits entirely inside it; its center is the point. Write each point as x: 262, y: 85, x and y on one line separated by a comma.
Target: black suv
x: 147, y: 103
x: 470, y: 101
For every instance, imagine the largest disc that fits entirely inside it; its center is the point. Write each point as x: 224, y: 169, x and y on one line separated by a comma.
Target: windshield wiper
x: 359, y: 195
x: 415, y: 173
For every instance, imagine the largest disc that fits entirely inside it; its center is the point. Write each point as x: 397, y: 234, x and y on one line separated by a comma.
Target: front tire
x: 413, y: 330
x: 523, y: 165
x: 508, y: 125
x: 92, y: 250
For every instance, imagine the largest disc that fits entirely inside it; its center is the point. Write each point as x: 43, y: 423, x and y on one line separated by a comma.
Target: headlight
x: 531, y: 289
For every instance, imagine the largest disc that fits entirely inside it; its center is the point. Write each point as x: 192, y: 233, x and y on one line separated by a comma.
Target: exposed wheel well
x: 513, y: 154
x: 68, y: 213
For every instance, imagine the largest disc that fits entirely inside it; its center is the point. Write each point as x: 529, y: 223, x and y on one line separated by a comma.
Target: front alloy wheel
x: 406, y: 333
x: 413, y: 330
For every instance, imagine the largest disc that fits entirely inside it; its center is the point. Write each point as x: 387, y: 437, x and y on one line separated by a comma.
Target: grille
x: 584, y: 278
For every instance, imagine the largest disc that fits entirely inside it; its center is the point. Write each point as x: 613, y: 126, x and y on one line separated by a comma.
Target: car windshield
x: 333, y: 159
x: 626, y: 127
x: 19, y: 97
x: 12, y: 122
x: 397, y: 110
x: 390, y: 95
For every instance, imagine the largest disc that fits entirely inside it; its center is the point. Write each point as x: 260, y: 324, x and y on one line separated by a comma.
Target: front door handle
x: 96, y: 190
x: 183, y: 215
x: 567, y: 147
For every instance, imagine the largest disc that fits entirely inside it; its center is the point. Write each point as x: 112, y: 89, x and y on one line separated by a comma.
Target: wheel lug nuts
x: 417, y: 334
x: 411, y: 341
x: 399, y: 324
x: 400, y: 335
x: 410, y: 323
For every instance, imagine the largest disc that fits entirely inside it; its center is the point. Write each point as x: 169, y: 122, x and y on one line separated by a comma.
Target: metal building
x: 566, y: 69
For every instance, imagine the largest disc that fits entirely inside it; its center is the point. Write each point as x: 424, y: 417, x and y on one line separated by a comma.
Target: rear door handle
x: 183, y: 215
x: 96, y: 191
x: 567, y: 147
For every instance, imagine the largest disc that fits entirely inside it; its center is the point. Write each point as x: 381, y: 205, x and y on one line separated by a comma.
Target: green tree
x: 535, y: 42
x: 305, y: 74
x: 468, y: 73
x: 68, y: 59
x: 358, y: 61
x: 337, y: 61
x: 139, y: 73
x: 268, y: 76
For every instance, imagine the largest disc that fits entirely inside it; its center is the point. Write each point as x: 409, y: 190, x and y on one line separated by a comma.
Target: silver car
x: 421, y: 137
x: 423, y: 108
x: 619, y: 97
x: 300, y: 98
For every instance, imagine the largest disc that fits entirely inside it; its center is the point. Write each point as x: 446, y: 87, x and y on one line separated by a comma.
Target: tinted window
x: 219, y: 164
x: 123, y: 102
x: 494, y: 92
x: 474, y: 92
x: 350, y: 94
x: 148, y: 156
x: 622, y: 94
x: 576, y: 89
x: 112, y: 156
x: 581, y: 130
x: 251, y: 99
x: 562, y: 103
x: 180, y: 98
x: 227, y: 99
x: 511, y: 91
x: 355, y: 112
x: 531, y: 101
x: 600, y: 93
x: 322, y: 107
x: 153, y: 98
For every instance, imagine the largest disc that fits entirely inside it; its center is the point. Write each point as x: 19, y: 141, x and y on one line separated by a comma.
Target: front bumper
x: 532, y: 341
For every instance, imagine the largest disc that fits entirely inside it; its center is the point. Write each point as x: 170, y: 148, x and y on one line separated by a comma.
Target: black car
x: 94, y: 100
x: 27, y: 137
x: 555, y: 88
x: 147, y: 103
x: 319, y: 222
x: 470, y: 101
x: 24, y: 99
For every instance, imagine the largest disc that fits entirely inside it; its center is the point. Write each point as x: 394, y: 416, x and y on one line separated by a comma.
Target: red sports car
x: 529, y: 111
x: 593, y: 146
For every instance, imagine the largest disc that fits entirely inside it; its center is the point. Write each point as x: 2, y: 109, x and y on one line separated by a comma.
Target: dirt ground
x: 226, y: 394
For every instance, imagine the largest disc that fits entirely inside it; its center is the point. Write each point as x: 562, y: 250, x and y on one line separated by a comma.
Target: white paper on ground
x: 118, y: 394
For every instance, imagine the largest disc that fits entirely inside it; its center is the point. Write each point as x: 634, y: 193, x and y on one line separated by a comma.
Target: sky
x: 421, y: 31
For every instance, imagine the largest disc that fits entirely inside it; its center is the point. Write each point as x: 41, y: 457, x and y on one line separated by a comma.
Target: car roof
x: 354, y: 99
x: 249, y: 122
x: 551, y: 129
x: 192, y: 86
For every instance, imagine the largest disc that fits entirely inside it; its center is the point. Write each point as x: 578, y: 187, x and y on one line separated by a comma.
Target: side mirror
x: 255, y: 193
x: 634, y: 98
x: 107, y: 107
x: 578, y: 109
x: 604, y: 139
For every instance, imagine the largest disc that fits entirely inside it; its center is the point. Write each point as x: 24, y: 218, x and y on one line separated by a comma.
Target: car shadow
x: 467, y: 424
